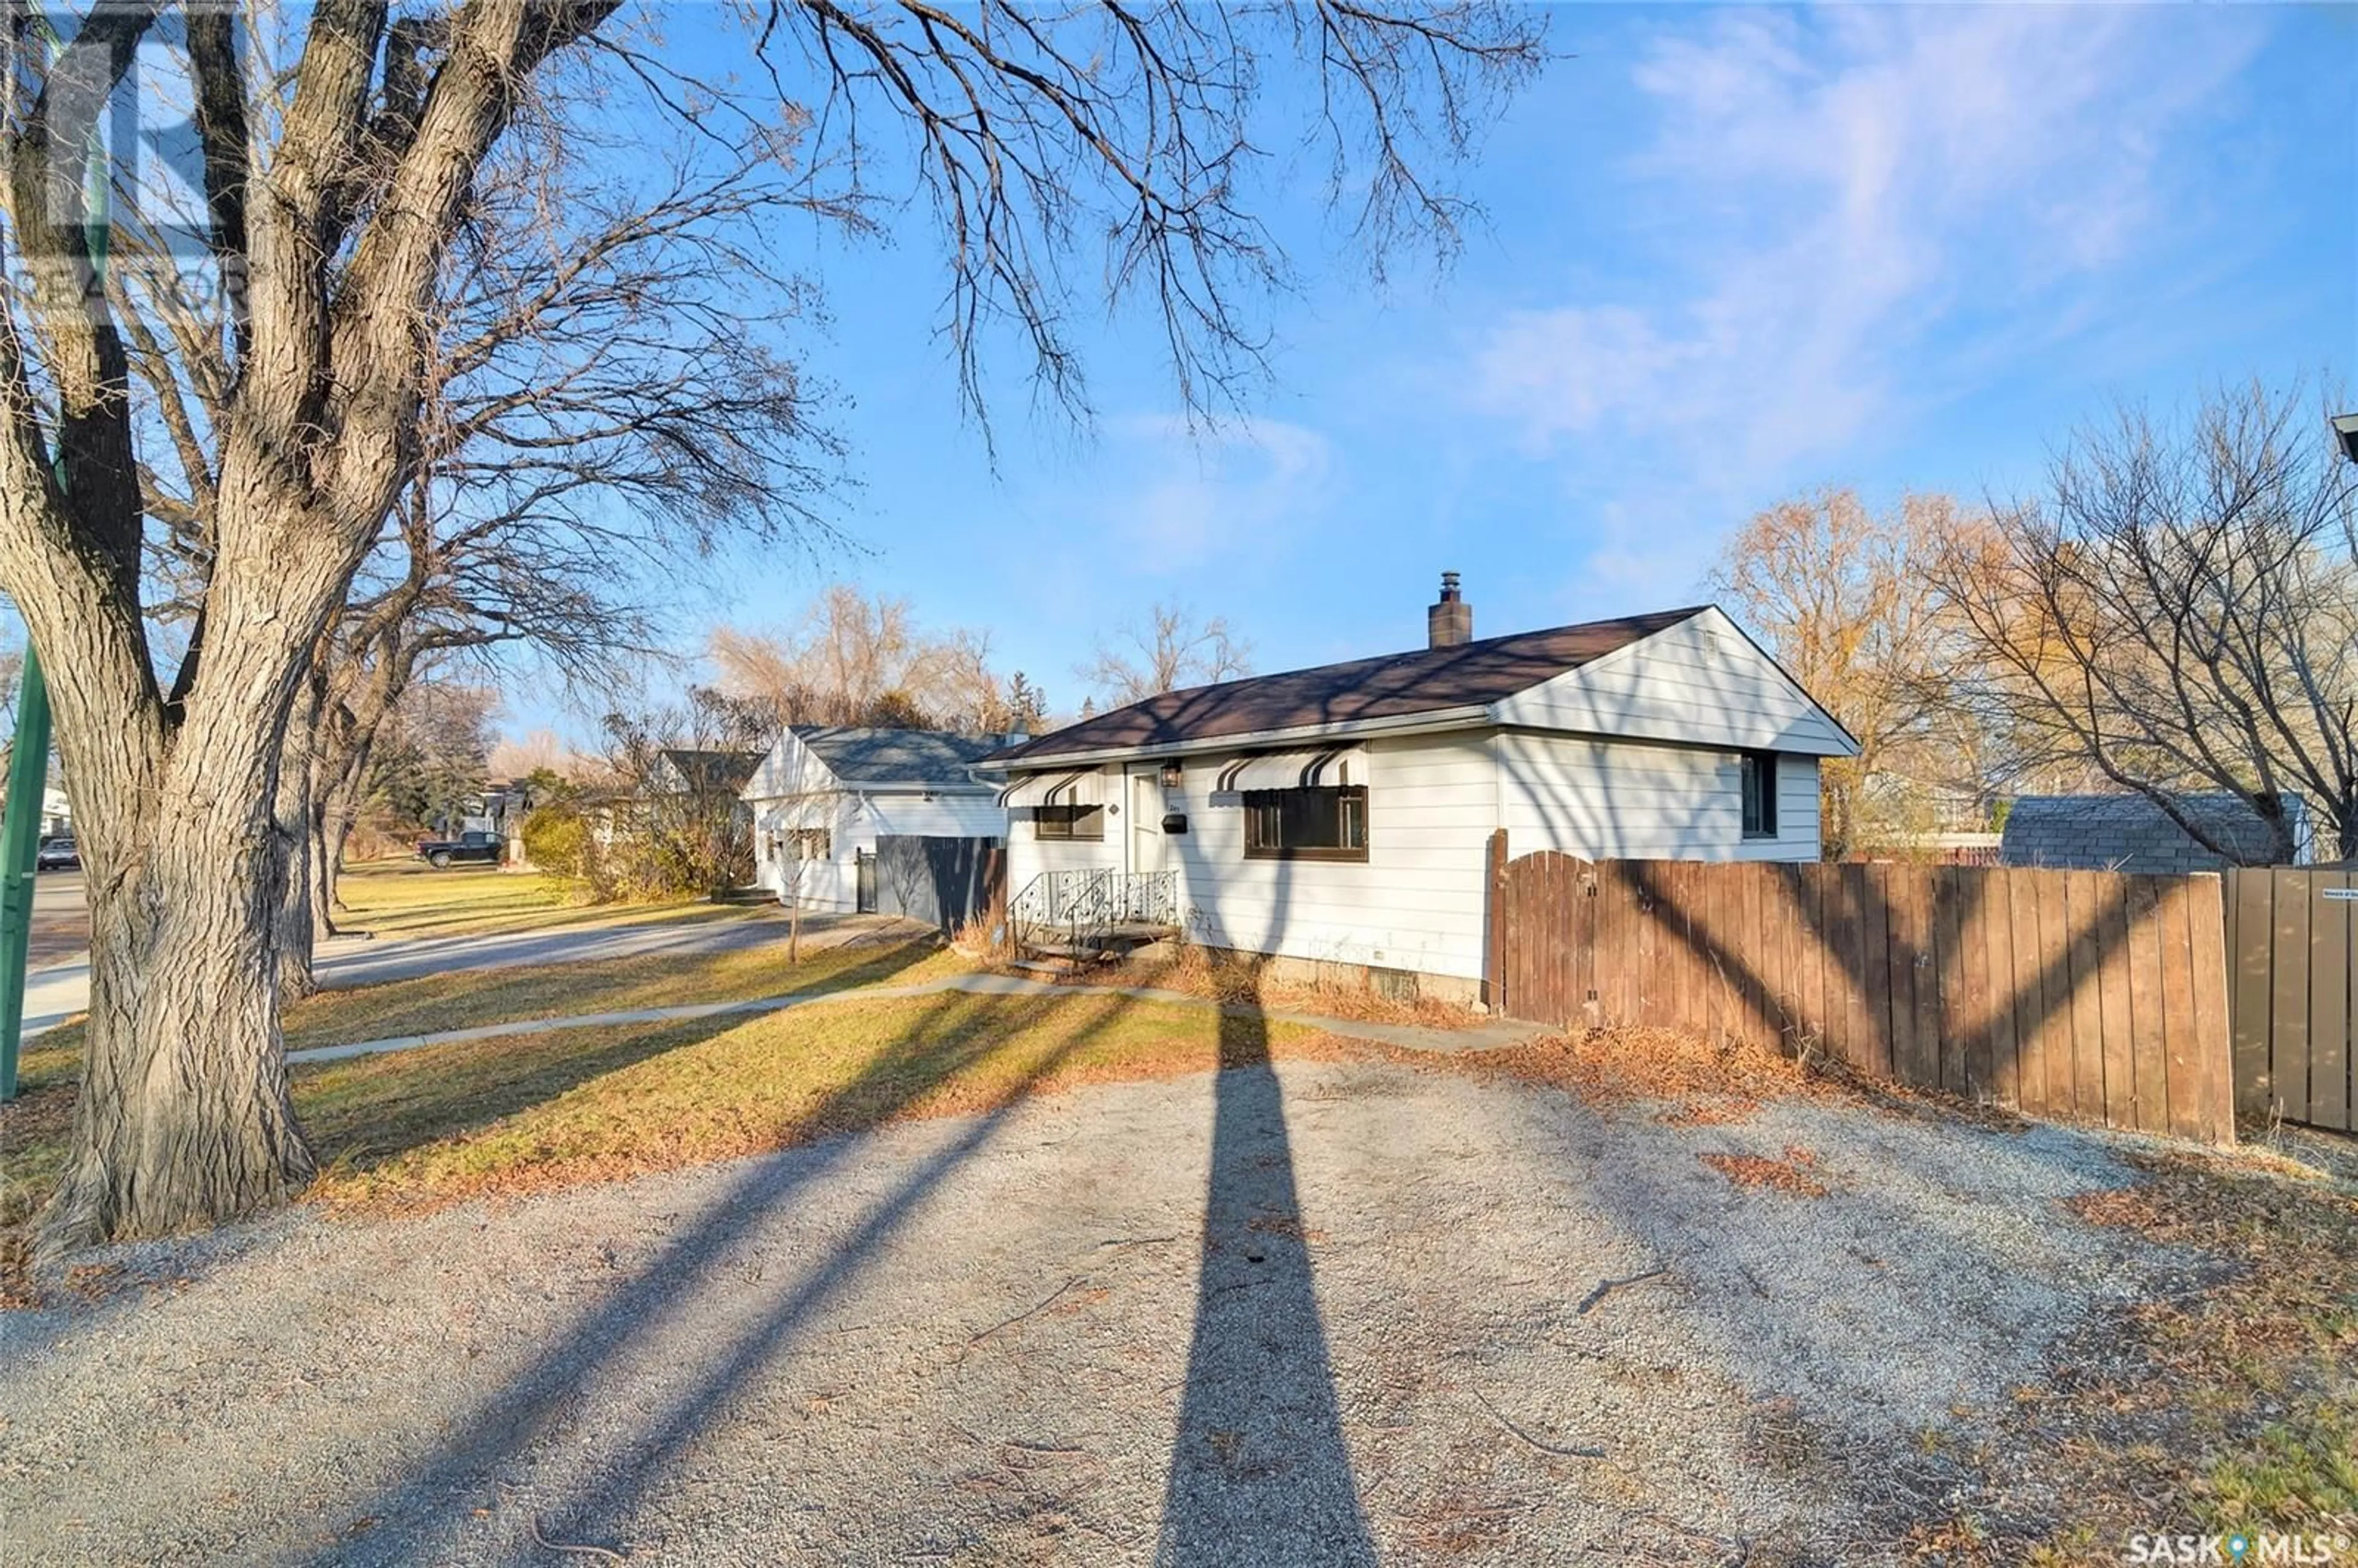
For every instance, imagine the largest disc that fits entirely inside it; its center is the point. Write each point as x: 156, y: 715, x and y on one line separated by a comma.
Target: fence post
x: 1494, y: 947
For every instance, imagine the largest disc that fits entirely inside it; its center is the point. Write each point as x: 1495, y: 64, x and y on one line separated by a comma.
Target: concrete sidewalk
x: 1408, y: 1036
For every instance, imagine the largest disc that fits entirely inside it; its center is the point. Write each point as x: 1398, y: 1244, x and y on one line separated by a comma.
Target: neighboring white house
x: 823, y: 794
x: 1341, y: 814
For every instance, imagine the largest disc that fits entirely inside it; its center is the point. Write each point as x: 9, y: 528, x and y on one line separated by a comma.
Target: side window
x: 1314, y: 824
x: 1759, y: 771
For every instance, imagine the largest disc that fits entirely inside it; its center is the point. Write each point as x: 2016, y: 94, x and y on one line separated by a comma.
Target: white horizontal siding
x: 1028, y: 857
x: 1606, y: 800
x: 1416, y: 902
x: 1701, y: 682
x: 792, y: 788
x: 937, y: 815
x: 828, y: 884
x: 787, y: 768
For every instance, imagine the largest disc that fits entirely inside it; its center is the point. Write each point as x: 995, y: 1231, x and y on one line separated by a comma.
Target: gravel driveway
x: 1324, y: 1312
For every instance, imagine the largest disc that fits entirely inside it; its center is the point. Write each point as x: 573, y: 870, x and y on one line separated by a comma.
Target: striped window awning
x: 1327, y: 767
x: 1080, y: 786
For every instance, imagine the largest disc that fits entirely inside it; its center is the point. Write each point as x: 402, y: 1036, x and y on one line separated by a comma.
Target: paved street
x: 60, y: 919
x: 345, y: 962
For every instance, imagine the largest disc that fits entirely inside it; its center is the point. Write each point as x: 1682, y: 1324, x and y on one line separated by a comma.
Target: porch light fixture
x: 1171, y: 775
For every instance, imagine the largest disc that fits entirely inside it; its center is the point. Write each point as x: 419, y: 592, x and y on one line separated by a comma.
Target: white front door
x: 1145, y: 809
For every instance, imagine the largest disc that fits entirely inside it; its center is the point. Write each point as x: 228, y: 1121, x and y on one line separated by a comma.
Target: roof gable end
x: 1701, y: 682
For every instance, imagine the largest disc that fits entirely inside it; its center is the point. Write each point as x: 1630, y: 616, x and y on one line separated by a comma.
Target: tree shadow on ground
x: 421, y: 1004
x: 423, y: 1508
x: 1259, y: 1456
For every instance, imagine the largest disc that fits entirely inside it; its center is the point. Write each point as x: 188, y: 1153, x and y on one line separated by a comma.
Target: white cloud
x: 1847, y: 186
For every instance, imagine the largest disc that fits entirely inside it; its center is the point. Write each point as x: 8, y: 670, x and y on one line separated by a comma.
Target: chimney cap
x: 1449, y: 621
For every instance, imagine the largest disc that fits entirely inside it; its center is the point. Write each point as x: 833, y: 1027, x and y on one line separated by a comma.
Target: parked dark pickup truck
x: 438, y: 852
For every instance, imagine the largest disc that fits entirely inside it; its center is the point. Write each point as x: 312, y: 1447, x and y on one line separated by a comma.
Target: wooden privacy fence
x: 2292, y: 946
x: 2083, y: 994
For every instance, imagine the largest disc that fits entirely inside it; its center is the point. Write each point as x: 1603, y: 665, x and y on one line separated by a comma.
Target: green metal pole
x: 20, y: 840
x: 29, y: 762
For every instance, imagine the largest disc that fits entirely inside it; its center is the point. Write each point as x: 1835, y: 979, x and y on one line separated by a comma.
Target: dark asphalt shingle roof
x: 2130, y: 833
x: 1389, y: 685
x: 858, y: 755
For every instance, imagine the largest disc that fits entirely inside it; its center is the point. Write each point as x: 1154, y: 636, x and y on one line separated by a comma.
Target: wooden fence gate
x: 2292, y: 943
x: 2083, y: 994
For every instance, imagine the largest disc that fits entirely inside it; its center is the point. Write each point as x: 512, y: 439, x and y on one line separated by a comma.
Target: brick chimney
x: 1451, y: 621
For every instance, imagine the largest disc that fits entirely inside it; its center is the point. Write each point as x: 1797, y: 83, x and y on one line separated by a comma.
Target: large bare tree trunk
x: 184, y: 1116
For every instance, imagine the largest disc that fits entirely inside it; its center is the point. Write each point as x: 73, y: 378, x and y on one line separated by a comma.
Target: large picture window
x: 1319, y: 824
x: 809, y: 844
x: 1759, y: 768
x: 1068, y: 822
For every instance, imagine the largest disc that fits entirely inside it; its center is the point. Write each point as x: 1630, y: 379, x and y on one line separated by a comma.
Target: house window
x: 1068, y: 822
x: 810, y: 844
x: 1317, y: 824
x: 1759, y: 770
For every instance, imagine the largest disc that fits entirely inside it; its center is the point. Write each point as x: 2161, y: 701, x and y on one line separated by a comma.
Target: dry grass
x: 34, y: 1128
x: 409, y: 898
x: 533, y: 1112
x: 1219, y: 975
x: 466, y: 998
x: 528, y: 1112
x: 2226, y: 1399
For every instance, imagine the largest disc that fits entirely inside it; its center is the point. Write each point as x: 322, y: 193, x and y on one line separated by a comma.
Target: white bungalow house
x: 1340, y: 815
x: 823, y: 793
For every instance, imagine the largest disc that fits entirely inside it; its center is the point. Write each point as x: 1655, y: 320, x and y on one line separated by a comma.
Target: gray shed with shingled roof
x: 2131, y: 833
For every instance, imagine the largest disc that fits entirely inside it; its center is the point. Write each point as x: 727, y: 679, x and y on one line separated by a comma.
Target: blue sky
x: 1730, y: 254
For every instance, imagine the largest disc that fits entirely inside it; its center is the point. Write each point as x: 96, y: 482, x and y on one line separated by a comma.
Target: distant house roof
x: 863, y: 756
x: 1428, y: 680
x: 712, y: 770
x: 2130, y: 833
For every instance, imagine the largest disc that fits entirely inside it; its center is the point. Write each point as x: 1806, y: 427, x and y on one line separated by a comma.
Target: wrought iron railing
x: 1085, y: 908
